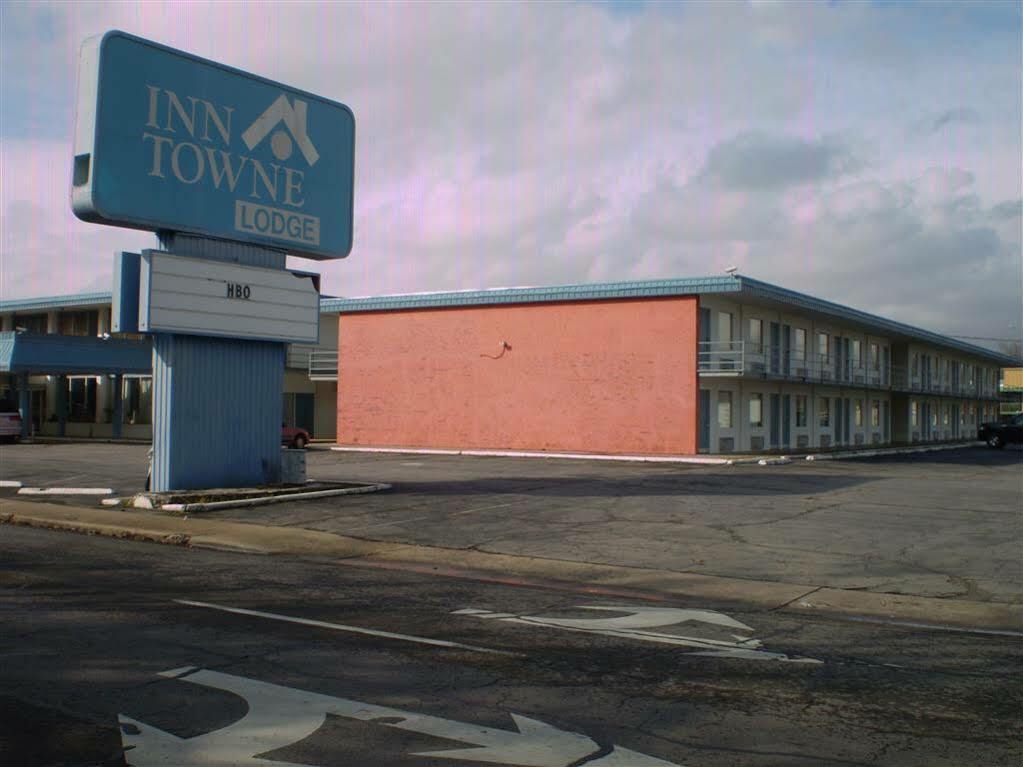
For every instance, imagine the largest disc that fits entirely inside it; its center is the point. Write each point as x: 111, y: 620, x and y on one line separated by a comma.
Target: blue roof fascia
x: 70, y: 355
x: 820, y: 306
x: 592, y: 292
x: 55, y: 302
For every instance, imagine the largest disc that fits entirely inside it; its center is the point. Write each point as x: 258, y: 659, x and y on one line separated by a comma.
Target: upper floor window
x: 916, y: 365
x: 30, y: 323
x: 799, y: 343
x: 756, y: 334
x: 857, y: 359
x: 823, y: 345
x: 85, y: 323
x: 875, y: 357
x: 725, y: 327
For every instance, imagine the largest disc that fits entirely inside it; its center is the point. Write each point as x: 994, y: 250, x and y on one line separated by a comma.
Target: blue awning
x: 53, y: 354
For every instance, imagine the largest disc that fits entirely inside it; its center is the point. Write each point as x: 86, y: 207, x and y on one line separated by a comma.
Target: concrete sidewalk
x: 636, y: 582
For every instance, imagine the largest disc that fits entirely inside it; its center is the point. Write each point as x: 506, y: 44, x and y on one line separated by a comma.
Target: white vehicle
x: 10, y: 421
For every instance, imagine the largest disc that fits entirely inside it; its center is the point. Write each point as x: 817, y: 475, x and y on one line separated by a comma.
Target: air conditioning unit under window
x: 726, y: 444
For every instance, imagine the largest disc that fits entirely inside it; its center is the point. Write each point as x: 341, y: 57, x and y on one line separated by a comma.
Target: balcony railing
x: 323, y: 365
x: 742, y: 358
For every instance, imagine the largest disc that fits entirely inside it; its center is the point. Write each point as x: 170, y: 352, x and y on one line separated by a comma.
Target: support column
x: 216, y: 402
x: 117, y: 419
x: 25, y: 405
x: 61, y: 405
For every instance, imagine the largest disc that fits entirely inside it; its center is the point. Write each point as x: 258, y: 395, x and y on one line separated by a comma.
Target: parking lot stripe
x: 344, y: 627
x: 65, y: 491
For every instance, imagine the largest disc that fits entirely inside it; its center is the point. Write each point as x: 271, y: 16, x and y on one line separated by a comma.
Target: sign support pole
x: 216, y: 401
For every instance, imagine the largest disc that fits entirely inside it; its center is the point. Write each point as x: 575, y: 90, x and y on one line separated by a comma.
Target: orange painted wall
x: 597, y: 377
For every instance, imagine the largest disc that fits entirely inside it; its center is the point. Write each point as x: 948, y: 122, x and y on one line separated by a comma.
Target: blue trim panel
x: 56, y: 302
x: 71, y: 355
x: 593, y: 292
x: 846, y: 314
x: 124, y: 314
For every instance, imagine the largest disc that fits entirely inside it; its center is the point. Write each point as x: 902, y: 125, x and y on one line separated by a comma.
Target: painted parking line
x: 346, y: 628
x: 65, y: 491
x: 277, y: 717
x: 9, y: 483
x: 637, y: 622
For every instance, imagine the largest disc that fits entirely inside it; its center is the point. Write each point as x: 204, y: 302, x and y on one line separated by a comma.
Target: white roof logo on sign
x: 294, y: 118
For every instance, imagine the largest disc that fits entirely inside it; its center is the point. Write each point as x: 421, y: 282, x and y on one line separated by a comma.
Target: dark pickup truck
x: 1002, y: 433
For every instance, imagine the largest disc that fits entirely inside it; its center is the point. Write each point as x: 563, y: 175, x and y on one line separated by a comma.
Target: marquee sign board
x: 169, y: 141
x: 201, y: 297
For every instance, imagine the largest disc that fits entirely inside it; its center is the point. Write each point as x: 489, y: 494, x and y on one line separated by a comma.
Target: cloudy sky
x: 869, y: 153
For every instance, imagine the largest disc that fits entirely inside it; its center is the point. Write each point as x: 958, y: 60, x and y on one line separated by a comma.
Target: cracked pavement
x: 946, y: 525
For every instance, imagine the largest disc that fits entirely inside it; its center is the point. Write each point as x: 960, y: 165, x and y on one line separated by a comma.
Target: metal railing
x: 742, y: 358
x: 323, y: 365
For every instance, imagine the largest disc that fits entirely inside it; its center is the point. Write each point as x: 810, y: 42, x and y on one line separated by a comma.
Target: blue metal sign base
x: 216, y: 402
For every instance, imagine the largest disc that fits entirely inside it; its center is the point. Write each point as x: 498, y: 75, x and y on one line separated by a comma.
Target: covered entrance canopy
x: 24, y: 354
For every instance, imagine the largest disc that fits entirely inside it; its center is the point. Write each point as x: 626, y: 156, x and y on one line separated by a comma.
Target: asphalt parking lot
x: 946, y: 524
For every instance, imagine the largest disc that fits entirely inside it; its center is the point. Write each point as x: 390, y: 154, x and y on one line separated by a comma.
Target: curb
x: 534, y: 454
x: 889, y: 451
x: 266, y: 500
x: 633, y: 582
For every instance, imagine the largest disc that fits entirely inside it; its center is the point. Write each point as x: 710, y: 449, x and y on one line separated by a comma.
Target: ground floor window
x: 756, y: 410
x: 82, y: 398
x: 724, y: 410
x: 138, y: 400
x: 858, y: 417
x: 914, y: 413
x: 824, y: 411
x: 800, y: 410
x: 875, y: 413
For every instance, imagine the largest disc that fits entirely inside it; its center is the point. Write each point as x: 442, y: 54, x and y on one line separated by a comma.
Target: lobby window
x: 81, y: 398
x: 756, y: 335
x: 800, y: 410
x: 875, y: 413
x: 756, y: 410
x: 724, y: 410
x: 32, y: 323
x: 138, y: 400
x: 824, y: 412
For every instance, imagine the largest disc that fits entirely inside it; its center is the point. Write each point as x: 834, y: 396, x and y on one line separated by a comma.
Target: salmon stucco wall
x: 615, y: 377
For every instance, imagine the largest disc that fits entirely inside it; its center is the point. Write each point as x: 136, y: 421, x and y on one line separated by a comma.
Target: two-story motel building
x: 668, y: 367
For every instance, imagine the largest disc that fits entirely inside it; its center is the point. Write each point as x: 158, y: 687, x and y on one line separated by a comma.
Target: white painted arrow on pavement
x: 637, y: 620
x: 280, y: 716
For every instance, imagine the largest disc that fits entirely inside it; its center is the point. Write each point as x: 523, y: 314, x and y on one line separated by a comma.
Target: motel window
x: 823, y: 345
x: 81, y: 398
x: 914, y: 413
x: 859, y: 413
x: 800, y: 410
x: 824, y: 412
x: 32, y: 323
x: 85, y: 323
x: 725, y: 327
x: 799, y: 343
x: 916, y: 365
x: 944, y: 417
x: 857, y: 359
x: 875, y: 413
x: 756, y: 335
x: 724, y: 410
x: 875, y: 357
x: 756, y: 410
x: 138, y: 400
